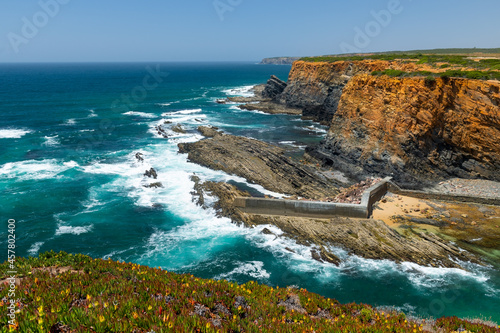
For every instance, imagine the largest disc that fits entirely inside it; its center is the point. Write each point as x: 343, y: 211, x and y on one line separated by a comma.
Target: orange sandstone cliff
x: 415, y: 129
x: 316, y: 87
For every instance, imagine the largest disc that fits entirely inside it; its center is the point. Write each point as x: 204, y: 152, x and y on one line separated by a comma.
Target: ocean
x: 69, y: 134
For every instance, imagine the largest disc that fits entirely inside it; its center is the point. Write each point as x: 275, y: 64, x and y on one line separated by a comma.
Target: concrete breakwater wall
x: 317, y: 209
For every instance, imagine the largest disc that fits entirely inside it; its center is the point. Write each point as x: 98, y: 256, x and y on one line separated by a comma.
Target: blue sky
x: 236, y: 30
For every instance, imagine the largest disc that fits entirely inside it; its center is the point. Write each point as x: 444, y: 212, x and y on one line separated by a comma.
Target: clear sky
x: 236, y: 30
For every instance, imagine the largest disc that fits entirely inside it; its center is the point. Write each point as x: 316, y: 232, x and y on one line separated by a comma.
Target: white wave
x: 430, y: 277
x: 255, y: 269
x: 188, y: 118
x: 33, y: 250
x: 92, y: 114
x: 92, y: 201
x: 244, y: 91
x: 313, y: 129
x: 35, y: 170
x: 167, y: 103
x: 140, y: 114
x: 292, y: 143
x: 255, y: 111
x: 70, y: 122
x: 13, y: 133
x: 188, y: 111
x: 51, y: 141
x: 65, y: 229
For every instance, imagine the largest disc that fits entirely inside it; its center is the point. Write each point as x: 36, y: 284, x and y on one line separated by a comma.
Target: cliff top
x: 60, y: 292
x: 431, y: 65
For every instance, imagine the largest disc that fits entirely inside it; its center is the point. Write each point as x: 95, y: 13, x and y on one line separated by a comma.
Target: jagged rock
x: 178, y: 129
x: 154, y: 185
x: 161, y: 131
x: 273, y: 88
x: 266, y: 231
x: 261, y: 163
x: 139, y: 157
x: 198, y: 195
x: 371, y: 239
x: 240, y: 301
x: 221, y: 310
x: 292, y: 302
x: 221, y: 101
x: 209, y: 131
x: 201, y: 310
x: 151, y: 173
x: 270, y: 107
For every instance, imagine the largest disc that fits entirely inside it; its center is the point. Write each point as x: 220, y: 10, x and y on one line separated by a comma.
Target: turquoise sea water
x: 69, y: 177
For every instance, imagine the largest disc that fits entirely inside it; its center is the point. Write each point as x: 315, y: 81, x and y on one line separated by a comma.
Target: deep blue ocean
x: 69, y: 177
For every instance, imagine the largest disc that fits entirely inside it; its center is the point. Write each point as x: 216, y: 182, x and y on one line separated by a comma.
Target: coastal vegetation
x: 445, y: 65
x: 475, y: 75
x: 61, y: 292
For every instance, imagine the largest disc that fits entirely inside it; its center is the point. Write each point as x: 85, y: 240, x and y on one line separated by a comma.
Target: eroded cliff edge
x: 416, y: 129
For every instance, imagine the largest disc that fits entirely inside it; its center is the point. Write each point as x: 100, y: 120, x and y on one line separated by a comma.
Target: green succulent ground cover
x: 484, y: 69
x: 62, y: 292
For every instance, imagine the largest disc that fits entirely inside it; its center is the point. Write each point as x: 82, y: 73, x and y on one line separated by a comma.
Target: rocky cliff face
x: 273, y: 87
x: 316, y: 87
x: 413, y: 129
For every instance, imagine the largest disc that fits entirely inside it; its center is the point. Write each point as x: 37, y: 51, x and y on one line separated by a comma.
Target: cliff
x: 316, y: 87
x: 413, y: 128
x: 416, y: 128
x: 279, y: 61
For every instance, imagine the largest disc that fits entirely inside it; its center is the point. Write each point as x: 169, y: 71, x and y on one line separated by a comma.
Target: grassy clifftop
x: 60, y: 292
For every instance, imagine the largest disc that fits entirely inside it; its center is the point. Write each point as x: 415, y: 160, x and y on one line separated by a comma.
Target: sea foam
x: 13, y: 133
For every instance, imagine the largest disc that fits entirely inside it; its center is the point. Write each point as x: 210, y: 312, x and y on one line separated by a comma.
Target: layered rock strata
x: 260, y: 163
x: 415, y: 129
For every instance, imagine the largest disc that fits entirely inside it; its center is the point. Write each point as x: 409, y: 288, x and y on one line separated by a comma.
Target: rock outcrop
x: 368, y: 238
x: 279, y: 60
x: 273, y: 88
x: 415, y: 129
x: 260, y: 163
x: 316, y: 87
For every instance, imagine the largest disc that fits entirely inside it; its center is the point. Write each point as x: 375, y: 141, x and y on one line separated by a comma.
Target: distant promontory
x: 279, y: 60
